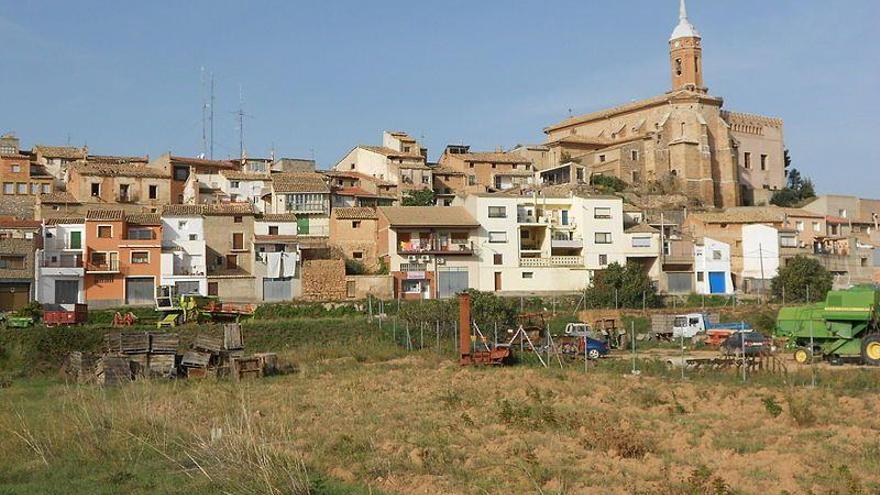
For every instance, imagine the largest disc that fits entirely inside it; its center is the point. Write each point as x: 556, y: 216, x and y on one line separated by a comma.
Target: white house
x: 59, y: 265
x: 305, y: 195
x: 184, y: 256
x: 760, y: 252
x: 400, y: 160
x: 249, y: 187
x: 712, y: 267
x: 277, y: 258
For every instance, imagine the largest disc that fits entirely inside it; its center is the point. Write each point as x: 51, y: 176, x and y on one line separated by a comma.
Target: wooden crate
x: 232, y: 339
x: 135, y: 343
x: 112, y: 343
x: 112, y: 370
x: 162, y: 365
x: 140, y: 364
x: 208, y: 344
x: 196, y: 373
x: 269, y: 362
x: 164, y: 343
x: 195, y: 359
x: 247, y: 367
x: 80, y: 366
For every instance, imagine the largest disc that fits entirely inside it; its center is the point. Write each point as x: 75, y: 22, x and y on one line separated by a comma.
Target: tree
x: 421, y: 197
x: 608, y: 183
x: 800, y: 277
x: 797, y: 189
x: 626, y: 286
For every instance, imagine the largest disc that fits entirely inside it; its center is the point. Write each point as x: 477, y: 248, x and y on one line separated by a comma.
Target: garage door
x: 66, y: 291
x: 452, y: 281
x: 277, y: 289
x: 717, y: 283
x: 187, y: 287
x: 14, y: 296
x: 139, y: 291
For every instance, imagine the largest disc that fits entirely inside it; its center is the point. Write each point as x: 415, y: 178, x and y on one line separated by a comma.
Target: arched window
x: 678, y: 67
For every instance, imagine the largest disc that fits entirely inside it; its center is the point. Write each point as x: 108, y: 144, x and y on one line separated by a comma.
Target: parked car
x: 595, y: 348
x: 748, y: 343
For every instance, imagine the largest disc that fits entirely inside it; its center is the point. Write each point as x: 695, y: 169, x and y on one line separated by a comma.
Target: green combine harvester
x: 845, y: 326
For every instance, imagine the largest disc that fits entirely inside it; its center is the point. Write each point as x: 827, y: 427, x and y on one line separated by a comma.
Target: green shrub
x: 772, y: 407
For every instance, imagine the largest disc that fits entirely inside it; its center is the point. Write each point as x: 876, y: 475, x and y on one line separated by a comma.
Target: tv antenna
x: 240, y: 115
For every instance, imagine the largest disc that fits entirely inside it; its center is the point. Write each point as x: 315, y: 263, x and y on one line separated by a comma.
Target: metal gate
x: 277, y: 289
x: 139, y: 291
x: 717, y: 283
x: 451, y: 281
x: 66, y: 291
x: 14, y: 296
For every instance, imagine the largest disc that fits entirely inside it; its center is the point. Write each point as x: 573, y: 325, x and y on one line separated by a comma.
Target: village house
x: 122, y: 258
x: 229, y: 233
x: 487, y: 171
x: 16, y: 273
x: 14, y: 228
x: 18, y: 175
x: 93, y: 184
x: 448, y: 183
x: 60, y: 270
x: 351, y: 189
x: 400, y: 160
x: 712, y: 268
x: 430, y: 251
x: 277, y: 268
x: 193, y: 180
x: 353, y: 231
x: 56, y: 160
x: 305, y: 195
x: 251, y: 187
x: 184, y: 249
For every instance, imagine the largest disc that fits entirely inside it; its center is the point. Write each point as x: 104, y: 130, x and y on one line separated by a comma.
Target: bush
x: 608, y: 183
x: 802, y: 279
x: 354, y: 267
x: 422, y: 197
x: 626, y: 286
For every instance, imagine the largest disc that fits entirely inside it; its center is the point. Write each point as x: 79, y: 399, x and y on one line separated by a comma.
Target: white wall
x: 368, y: 163
x: 760, y: 247
x: 705, y: 262
x: 261, y: 227
x: 250, y: 191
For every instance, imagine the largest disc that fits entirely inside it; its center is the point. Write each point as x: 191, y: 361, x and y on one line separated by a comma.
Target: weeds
x: 801, y: 410
x: 772, y: 407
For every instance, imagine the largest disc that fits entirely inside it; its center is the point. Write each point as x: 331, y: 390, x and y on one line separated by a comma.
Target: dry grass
x: 420, y: 424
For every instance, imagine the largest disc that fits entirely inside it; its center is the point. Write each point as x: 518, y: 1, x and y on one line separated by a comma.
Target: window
x: 842, y: 213
x: 799, y: 225
x: 497, y: 212
x: 140, y: 257
x: 22, y: 188
x: 46, y: 188
x: 528, y: 275
x: 701, y: 276
x: 273, y: 230
x: 763, y: 162
x: 747, y: 160
x: 406, y: 149
x: 425, y: 179
x: 358, y: 255
x: 238, y: 241
x: 472, y: 179
x: 601, y: 158
x: 603, y: 237
x: 153, y: 192
x: 497, y: 259
x: 603, y: 260
x: 788, y: 240
x: 678, y: 67
x: 213, y: 289
x: 105, y: 231
x: 181, y: 173
x: 181, y: 224
x: 634, y: 154
x: 16, y: 168
x: 602, y: 212
x: 817, y: 227
x: 193, y: 237
x: 35, y: 188
x: 140, y: 234
x: 96, y: 189
x: 641, y: 242
x: 355, y: 224
x: 12, y: 262
x: 8, y: 188
x: 716, y: 254
x: 234, y: 184
x: 498, y: 237
x: 412, y: 286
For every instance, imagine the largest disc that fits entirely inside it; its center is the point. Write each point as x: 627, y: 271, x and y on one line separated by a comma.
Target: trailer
x: 57, y: 315
x: 845, y: 326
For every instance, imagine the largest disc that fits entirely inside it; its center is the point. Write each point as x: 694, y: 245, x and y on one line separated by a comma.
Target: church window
x: 696, y: 64
x: 678, y: 67
x: 747, y: 160
x: 763, y: 162
x: 634, y: 154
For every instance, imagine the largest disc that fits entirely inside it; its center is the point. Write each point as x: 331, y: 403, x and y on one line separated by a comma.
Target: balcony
x: 109, y: 266
x: 61, y: 262
x: 127, y: 198
x: 434, y: 246
x: 319, y: 207
x: 553, y: 262
x: 567, y: 243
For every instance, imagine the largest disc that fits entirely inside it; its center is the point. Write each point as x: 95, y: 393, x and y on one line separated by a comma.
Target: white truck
x: 693, y: 324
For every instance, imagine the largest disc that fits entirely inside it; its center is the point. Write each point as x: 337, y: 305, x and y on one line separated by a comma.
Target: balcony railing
x: 62, y: 262
x: 306, y: 207
x: 140, y: 235
x: 434, y: 246
x: 567, y: 243
x: 553, y: 261
x: 109, y: 266
x: 126, y: 198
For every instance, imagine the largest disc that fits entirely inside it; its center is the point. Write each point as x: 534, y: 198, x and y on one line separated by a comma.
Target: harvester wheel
x: 802, y: 355
x: 871, y: 350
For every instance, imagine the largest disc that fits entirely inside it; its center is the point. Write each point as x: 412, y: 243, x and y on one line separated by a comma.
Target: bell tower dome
x: 686, y: 54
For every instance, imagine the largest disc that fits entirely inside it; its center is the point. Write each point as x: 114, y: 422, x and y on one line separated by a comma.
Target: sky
x: 318, y: 78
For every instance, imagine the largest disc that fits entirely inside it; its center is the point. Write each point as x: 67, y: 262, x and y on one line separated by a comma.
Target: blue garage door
x: 717, y: 284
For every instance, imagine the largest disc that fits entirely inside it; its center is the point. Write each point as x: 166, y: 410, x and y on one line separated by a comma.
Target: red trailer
x: 56, y: 315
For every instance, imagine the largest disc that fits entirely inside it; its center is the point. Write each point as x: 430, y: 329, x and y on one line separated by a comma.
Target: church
x: 719, y: 157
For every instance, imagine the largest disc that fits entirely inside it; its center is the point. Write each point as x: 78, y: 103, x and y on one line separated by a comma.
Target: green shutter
x: 302, y: 225
x: 76, y: 240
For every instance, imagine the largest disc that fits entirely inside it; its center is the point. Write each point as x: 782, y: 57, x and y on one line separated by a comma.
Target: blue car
x: 595, y: 348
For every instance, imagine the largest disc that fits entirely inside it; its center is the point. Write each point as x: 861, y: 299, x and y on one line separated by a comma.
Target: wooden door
x: 497, y: 281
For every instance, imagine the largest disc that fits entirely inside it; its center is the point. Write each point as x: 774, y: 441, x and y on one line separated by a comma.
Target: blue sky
x: 321, y: 77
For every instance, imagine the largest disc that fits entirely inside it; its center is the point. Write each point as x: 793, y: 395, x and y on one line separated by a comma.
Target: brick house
x: 229, y: 233
x: 487, y: 171
x: 353, y: 231
x: 122, y: 258
x: 119, y: 184
x: 16, y: 273
x: 18, y: 175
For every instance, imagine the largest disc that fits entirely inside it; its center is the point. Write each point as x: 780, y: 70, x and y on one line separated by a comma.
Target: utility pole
x: 763, y: 281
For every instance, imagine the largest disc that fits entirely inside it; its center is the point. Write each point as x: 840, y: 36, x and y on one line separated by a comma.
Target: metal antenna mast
x: 241, y: 115
x: 204, y: 115
x: 211, y: 118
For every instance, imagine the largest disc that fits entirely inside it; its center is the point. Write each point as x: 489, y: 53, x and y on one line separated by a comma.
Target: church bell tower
x: 686, y: 54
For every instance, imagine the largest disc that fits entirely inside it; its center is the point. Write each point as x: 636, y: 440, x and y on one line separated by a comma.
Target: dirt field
x: 421, y: 425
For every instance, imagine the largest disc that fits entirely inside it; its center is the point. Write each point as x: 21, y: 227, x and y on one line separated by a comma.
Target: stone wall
x: 380, y: 286
x: 323, y: 280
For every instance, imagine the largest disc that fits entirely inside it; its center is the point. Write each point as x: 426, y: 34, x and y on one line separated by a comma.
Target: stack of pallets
x: 80, y: 366
x: 113, y: 370
x: 150, y: 353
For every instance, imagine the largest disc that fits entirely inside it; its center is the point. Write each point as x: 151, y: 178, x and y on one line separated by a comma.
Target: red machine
x: 54, y: 316
x: 470, y: 351
x: 126, y: 320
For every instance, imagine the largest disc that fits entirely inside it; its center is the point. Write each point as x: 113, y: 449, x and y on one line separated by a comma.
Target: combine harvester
x: 178, y: 309
x: 845, y: 326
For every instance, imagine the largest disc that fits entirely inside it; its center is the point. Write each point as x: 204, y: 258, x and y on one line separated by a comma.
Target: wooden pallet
x: 247, y: 367
x: 113, y: 370
x: 112, y: 343
x: 164, y: 343
x: 208, y: 344
x: 269, y: 362
x: 232, y: 339
x: 135, y: 343
x: 162, y: 365
x: 196, y: 359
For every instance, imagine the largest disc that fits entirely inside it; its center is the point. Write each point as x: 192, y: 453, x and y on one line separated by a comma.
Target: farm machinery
x: 178, y: 309
x: 473, y: 347
x: 845, y: 325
